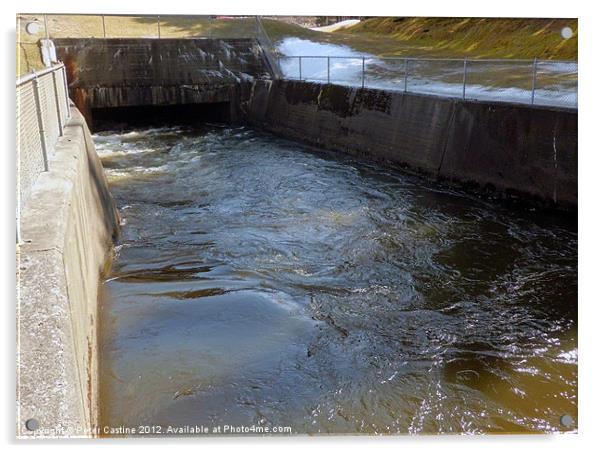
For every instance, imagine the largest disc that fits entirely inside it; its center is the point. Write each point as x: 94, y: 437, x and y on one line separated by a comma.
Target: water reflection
x: 258, y: 283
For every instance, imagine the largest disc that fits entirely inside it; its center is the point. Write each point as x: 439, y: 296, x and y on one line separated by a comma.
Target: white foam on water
x: 389, y: 74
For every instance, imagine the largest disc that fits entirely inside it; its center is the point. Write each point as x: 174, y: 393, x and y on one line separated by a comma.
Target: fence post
x: 56, y: 102
x: 158, y: 28
x: 42, y: 132
x: 363, y: 71
x: 300, y: 78
x: 328, y: 70
x: 66, y: 91
x: 405, y: 75
x: 464, y: 79
x: 534, y: 81
x: 104, y: 29
x: 46, y: 31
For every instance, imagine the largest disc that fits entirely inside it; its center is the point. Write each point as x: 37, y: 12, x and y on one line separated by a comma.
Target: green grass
x: 471, y: 37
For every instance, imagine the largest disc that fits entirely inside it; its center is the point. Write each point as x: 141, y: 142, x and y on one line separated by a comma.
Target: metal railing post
x: 158, y: 28
x: 42, y: 132
x: 300, y: 78
x: 56, y: 102
x: 405, y: 81
x: 104, y: 28
x: 328, y: 70
x: 464, y: 79
x: 46, y: 31
x: 533, y: 86
x: 363, y: 71
x: 66, y: 91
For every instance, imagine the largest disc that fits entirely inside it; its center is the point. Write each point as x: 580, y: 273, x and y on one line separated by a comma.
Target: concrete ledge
x: 519, y: 151
x: 67, y: 229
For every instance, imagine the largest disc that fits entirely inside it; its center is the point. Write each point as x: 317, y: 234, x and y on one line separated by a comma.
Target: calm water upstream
x: 257, y: 283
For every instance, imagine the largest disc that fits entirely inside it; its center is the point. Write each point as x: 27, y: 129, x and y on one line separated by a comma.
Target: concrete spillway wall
x: 106, y: 73
x: 67, y: 227
x: 512, y: 149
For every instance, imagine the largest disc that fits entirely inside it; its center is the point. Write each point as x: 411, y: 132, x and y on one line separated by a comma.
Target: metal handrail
x: 372, y: 57
x: 466, y: 62
x: 26, y: 78
x: 51, y: 112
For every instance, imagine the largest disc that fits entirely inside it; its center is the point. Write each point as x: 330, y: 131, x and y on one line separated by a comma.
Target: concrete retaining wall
x: 106, y: 73
x: 530, y: 152
x: 67, y: 229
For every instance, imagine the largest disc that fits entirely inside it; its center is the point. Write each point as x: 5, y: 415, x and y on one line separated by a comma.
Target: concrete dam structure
x: 116, y: 73
x: 521, y: 152
x: 511, y: 149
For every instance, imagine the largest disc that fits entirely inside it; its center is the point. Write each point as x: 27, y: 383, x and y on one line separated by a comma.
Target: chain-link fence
x: 538, y: 82
x: 42, y: 110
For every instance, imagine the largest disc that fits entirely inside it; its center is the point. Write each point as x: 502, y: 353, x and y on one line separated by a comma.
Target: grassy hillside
x: 474, y: 37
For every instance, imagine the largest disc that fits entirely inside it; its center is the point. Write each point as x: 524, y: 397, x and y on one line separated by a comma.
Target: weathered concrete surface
x: 66, y: 232
x: 530, y: 152
x: 133, y: 72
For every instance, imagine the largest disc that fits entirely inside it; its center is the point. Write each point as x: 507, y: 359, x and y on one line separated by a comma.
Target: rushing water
x: 258, y: 283
x: 497, y: 80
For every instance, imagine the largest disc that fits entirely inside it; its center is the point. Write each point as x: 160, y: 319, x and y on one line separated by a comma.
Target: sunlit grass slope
x: 474, y: 37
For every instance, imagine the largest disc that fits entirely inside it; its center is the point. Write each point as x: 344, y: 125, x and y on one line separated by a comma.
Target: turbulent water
x: 495, y: 80
x: 260, y: 284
